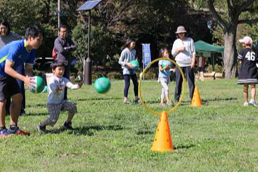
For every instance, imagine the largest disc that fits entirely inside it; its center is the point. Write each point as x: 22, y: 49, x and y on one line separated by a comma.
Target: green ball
x: 102, y: 85
x: 163, y: 65
x: 38, y: 86
x: 135, y: 64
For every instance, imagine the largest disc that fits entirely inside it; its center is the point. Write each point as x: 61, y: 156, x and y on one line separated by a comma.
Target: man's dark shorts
x: 8, y: 87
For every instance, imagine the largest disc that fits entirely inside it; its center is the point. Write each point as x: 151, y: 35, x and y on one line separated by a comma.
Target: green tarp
x: 201, y: 46
x: 208, y: 50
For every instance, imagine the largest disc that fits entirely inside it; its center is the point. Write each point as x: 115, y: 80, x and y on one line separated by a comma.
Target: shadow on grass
x: 184, y: 147
x: 206, y: 101
x: 99, y: 98
x: 183, y: 103
x: 36, y: 114
x: 144, y: 132
x: 188, y: 103
x: 218, y: 99
x: 37, y: 105
x: 88, y: 131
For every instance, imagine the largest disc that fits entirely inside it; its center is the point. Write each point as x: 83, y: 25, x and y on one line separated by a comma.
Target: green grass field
x: 113, y: 137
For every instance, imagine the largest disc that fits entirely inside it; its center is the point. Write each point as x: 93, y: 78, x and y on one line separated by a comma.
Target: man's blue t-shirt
x: 17, y: 53
x: 165, y: 73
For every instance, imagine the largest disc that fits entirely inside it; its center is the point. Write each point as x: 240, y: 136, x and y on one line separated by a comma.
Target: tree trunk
x: 230, y: 54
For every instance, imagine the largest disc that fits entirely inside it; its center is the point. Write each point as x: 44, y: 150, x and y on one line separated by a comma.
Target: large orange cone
x: 163, y: 141
x: 196, y: 101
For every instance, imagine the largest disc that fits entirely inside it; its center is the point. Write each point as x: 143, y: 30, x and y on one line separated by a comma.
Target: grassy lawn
x: 113, y: 137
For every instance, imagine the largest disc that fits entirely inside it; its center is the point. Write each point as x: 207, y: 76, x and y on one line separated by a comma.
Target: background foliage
x: 113, y: 21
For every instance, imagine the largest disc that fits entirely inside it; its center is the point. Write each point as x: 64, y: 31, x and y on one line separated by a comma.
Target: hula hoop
x: 140, y: 84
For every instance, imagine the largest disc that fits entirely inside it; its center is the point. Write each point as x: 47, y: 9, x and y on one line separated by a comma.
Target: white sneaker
x: 246, y: 103
x: 252, y: 102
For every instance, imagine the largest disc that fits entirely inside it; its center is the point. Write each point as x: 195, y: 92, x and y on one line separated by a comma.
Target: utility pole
x: 58, y: 13
x: 87, y: 69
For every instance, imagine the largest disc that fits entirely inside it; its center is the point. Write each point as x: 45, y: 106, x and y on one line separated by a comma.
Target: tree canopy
x: 228, y: 15
x: 147, y: 21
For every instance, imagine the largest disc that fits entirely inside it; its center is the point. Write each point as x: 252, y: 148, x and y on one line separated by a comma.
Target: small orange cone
x: 196, y: 101
x: 162, y: 141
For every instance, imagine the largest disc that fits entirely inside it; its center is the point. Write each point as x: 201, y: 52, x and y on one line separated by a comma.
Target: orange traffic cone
x: 196, y: 101
x: 163, y: 141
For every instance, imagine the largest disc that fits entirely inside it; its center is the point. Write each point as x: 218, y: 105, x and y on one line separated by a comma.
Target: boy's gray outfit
x: 56, y: 102
x: 184, y: 60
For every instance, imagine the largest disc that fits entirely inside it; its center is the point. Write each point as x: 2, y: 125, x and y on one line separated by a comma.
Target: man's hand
x: 66, y: 48
x: 29, y: 82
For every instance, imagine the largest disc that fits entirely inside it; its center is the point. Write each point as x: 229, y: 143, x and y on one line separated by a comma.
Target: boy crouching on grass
x: 56, y: 102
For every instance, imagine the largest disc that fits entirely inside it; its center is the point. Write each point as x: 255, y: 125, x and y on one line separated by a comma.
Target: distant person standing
x: 6, y: 36
x: 200, y: 64
x: 128, y: 55
x: 63, y: 48
x: 248, y: 59
x: 184, y: 52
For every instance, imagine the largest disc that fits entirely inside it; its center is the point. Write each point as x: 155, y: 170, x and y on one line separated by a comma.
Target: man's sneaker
x: 18, y: 131
x: 246, y: 103
x: 41, y: 129
x: 137, y: 101
x: 5, y: 133
x: 252, y: 102
x: 68, y: 126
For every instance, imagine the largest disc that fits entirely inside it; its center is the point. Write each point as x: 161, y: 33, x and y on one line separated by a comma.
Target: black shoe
x: 137, y: 101
x: 41, y: 129
x: 68, y: 126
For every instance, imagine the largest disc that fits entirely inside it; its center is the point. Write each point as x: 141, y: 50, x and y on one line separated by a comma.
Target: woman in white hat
x: 184, y: 52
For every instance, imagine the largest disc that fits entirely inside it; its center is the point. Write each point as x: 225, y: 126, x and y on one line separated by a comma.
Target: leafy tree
x: 228, y: 15
x: 24, y: 13
x: 147, y: 21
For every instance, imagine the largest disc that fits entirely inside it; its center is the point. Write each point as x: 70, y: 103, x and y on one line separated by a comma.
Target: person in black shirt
x: 248, y: 61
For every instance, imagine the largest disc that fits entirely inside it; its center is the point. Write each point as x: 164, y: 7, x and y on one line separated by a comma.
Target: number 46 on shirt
x: 250, y: 56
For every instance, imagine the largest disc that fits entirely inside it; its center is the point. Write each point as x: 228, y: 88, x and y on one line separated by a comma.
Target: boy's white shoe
x: 252, y: 102
x: 246, y: 103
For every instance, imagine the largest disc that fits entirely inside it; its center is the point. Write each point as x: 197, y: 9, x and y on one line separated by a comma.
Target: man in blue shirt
x: 12, y: 57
